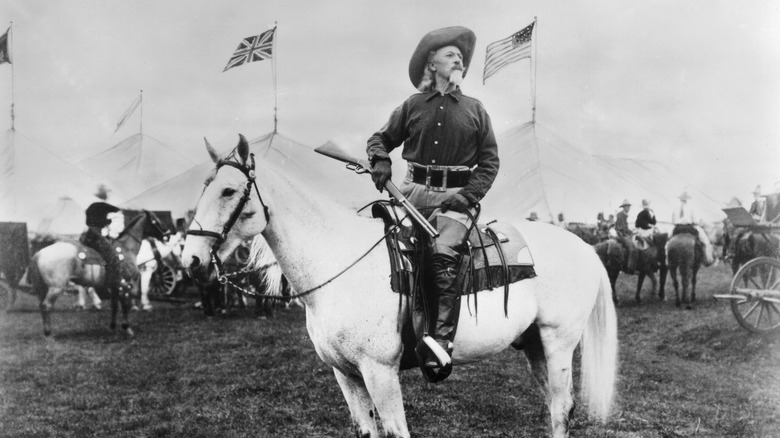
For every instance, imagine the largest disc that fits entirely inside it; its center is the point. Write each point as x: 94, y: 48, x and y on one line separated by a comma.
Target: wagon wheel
x: 7, y: 296
x: 759, y: 282
x: 163, y: 280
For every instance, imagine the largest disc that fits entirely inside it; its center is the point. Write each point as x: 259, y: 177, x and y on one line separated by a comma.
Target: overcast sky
x: 693, y: 84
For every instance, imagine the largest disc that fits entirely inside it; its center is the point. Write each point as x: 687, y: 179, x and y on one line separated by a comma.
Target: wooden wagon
x: 755, y: 288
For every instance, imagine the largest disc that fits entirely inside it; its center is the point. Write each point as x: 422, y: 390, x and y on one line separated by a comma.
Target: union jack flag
x: 251, y: 49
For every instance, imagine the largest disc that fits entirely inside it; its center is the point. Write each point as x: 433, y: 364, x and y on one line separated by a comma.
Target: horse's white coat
x: 354, y: 321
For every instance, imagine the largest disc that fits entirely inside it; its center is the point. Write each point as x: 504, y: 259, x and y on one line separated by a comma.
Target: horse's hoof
x: 47, y: 333
x: 688, y: 307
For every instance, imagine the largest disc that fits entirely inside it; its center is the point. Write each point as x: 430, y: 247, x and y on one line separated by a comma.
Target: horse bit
x: 249, y: 172
x: 222, y: 276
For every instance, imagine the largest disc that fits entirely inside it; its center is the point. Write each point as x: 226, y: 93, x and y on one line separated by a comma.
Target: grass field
x: 682, y: 373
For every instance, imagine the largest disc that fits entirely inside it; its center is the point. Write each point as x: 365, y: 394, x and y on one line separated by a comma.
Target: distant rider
x: 97, y: 220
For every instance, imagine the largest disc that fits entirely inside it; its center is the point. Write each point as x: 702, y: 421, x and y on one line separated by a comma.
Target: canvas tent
x: 33, y: 179
x: 543, y: 173
x: 135, y: 164
x: 295, y: 160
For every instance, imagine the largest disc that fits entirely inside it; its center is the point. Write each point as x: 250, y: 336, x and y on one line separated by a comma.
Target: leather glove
x: 456, y: 202
x: 381, y: 172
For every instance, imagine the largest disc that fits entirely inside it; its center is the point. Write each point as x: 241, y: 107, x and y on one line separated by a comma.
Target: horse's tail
x: 599, y: 353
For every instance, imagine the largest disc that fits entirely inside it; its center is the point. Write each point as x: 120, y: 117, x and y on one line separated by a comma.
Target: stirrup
x: 427, y: 348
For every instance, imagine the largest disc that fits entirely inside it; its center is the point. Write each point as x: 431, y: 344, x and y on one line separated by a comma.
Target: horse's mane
x: 131, y: 225
x: 262, y: 259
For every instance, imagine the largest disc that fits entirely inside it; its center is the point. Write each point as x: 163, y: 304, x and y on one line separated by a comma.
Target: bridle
x: 248, y: 169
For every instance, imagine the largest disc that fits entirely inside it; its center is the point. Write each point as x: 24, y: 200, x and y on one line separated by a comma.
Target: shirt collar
x: 455, y: 94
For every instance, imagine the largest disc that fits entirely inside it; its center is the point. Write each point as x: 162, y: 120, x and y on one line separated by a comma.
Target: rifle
x: 362, y: 166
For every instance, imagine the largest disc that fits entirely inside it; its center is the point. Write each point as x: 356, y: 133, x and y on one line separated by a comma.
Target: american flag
x: 508, y: 50
x: 251, y: 49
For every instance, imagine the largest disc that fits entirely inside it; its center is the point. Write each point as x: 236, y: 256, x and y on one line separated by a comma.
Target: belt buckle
x: 443, y: 187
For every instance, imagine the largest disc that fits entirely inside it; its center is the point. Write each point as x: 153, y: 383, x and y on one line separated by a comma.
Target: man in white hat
x: 452, y: 155
x: 624, y: 235
x: 685, y: 221
x: 758, y: 206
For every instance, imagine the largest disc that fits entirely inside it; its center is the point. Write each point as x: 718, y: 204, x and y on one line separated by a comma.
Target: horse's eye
x: 228, y: 193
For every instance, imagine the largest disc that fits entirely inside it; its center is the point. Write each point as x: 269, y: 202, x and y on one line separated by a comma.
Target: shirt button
x: 433, y: 161
x: 438, y: 124
x: 436, y: 142
x: 441, y: 107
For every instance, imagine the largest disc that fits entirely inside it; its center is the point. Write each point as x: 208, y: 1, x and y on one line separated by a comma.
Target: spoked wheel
x: 163, y: 280
x: 7, y: 296
x: 758, y: 281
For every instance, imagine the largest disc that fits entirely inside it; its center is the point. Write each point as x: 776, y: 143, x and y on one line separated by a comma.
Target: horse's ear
x: 212, y: 152
x: 243, y: 148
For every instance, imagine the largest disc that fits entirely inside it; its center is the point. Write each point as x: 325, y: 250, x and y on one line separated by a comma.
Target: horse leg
x: 361, y: 408
x: 662, y: 271
x: 653, y: 283
x: 114, y: 307
x: 613, y: 273
x: 127, y: 304
x: 686, y: 278
x: 97, y: 303
x: 640, y: 280
x: 693, y: 283
x: 47, y: 303
x: 385, y: 390
x: 559, y: 375
x: 537, y: 363
x: 676, y: 284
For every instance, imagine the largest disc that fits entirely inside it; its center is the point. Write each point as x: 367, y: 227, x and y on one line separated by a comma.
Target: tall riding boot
x: 446, y: 287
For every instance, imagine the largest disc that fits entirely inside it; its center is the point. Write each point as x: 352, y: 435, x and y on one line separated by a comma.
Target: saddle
x: 497, y: 256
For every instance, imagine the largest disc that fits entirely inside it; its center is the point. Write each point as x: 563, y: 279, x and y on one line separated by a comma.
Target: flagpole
x: 533, y: 75
x: 273, y: 75
x: 11, y: 61
x: 141, y: 132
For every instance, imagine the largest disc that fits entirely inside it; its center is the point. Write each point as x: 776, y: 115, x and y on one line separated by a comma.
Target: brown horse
x: 751, y: 244
x: 648, y: 261
x: 684, y: 254
x: 55, y: 266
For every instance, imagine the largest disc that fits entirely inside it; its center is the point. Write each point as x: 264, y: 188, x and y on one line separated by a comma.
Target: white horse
x: 353, y: 318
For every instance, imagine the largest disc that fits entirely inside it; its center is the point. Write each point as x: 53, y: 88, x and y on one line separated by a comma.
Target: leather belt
x: 438, y: 178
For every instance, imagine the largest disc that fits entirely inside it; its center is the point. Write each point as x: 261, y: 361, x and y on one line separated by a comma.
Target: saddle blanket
x: 497, y: 254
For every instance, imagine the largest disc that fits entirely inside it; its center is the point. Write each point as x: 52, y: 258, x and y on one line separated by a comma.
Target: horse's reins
x: 224, y: 277
x: 249, y: 172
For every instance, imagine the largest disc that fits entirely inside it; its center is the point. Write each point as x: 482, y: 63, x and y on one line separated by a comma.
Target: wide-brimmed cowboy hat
x: 684, y: 196
x: 625, y: 203
x: 533, y: 216
x: 458, y: 36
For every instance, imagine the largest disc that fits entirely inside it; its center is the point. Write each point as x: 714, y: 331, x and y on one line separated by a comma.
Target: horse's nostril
x: 195, y: 263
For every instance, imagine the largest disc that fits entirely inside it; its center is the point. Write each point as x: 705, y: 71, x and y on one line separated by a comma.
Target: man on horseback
x: 97, y: 221
x: 452, y: 157
x: 624, y: 235
x: 685, y: 221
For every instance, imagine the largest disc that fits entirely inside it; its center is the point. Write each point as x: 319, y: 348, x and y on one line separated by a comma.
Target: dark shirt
x: 443, y: 130
x: 645, y: 219
x: 621, y: 223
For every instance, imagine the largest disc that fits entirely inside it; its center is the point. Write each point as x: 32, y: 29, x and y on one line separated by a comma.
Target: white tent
x: 65, y: 218
x: 34, y: 178
x: 543, y: 173
x: 297, y: 161
x: 135, y: 164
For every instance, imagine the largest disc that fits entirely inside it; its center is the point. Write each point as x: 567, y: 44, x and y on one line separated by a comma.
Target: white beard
x: 456, y: 77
